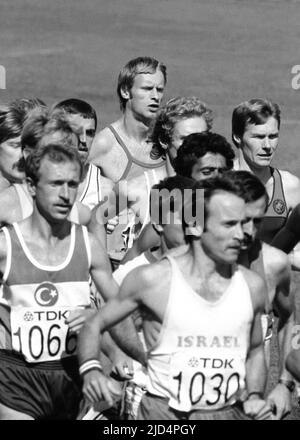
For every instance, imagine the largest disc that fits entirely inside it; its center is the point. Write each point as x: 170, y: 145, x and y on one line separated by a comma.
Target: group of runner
x: 152, y: 242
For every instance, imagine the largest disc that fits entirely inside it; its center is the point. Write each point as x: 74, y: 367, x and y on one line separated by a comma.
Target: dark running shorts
x: 48, y: 390
x: 157, y: 408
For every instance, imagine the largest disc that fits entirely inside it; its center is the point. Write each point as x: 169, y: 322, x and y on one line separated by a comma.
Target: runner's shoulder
x: 276, y: 260
x: 150, y: 276
x: 102, y: 143
x: 257, y: 286
x: 289, y: 180
x: 291, y: 187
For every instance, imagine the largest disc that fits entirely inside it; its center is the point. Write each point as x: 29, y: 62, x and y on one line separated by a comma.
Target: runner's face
x: 255, y: 212
x: 146, y: 94
x: 182, y: 129
x: 259, y: 143
x: 223, y: 234
x: 10, y: 156
x: 86, y: 130
x: 56, y: 189
x: 210, y: 165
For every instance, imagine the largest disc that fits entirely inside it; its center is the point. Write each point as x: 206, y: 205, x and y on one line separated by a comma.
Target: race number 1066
x: 41, y: 340
x: 41, y: 345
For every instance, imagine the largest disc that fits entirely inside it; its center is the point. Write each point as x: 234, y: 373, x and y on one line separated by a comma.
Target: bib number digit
x: 193, y: 387
x: 71, y: 342
x: 217, y: 388
x: 53, y: 341
x: 237, y: 379
x: 41, y: 344
x: 198, y: 381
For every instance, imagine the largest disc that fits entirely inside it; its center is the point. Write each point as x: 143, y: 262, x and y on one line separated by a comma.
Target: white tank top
x: 139, y: 371
x: 91, y: 195
x: 25, y: 199
x: 199, y: 359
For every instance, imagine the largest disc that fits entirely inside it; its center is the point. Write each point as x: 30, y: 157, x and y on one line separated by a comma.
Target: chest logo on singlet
x: 279, y: 206
x: 46, y: 295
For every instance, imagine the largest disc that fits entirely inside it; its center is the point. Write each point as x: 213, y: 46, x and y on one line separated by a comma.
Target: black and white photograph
x: 149, y: 213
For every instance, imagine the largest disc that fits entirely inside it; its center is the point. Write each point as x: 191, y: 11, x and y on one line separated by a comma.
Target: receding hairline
x: 218, y: 192
x: 64, y: 159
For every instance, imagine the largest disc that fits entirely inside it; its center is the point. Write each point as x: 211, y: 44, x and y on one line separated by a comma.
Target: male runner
x: 171, y: 237
x: 122, y: 150
x: 83, y: 118
x: 203, y: 359
x: 201, y: 156
x: 12, y: 118
x: 39, y: 125
x: 45, y: 264
x: 272, y: 265
x: 178, y: 118
x: 255, y: 132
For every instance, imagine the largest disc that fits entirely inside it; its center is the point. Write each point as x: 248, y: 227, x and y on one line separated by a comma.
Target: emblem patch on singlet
x: 279, y: 206
x: 46, y: 295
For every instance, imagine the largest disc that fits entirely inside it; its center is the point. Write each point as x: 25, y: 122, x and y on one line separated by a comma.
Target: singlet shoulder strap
x: 98, y: 180
x: 87, y: 183
x: 125, y: 149
x: 278, y: 178
x: 93, y: 175
x: 131, y: 159
x: 8, y: 255
x: 87, y: 244
x: 277, y: 192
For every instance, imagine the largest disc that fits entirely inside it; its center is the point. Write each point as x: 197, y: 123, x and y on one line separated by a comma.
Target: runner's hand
x: 257, y: 408
x: 95, y: 387
x: 78, y: 317
x: 280, y: 401
x: 122, y: 367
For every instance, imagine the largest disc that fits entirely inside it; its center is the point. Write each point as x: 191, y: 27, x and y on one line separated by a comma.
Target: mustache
x: 20, y: 165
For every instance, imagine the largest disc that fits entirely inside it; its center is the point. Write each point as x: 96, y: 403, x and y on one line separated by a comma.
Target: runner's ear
x: 237, y: 140
x: 125, y: 93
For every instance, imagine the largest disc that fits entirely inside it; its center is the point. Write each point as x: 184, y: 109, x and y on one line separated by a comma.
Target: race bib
x: 203, y: 382
x: 42, y: 335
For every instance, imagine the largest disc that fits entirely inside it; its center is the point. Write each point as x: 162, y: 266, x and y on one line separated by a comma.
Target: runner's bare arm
x: 288, y: 236
x: 256, y: 370
x: 3, y: 254
x: 101, y: 147
x: 283, y: 304
x: 124, y: 334
x: 291, y: 185
x: 95, y: 384
x: 96, y: 226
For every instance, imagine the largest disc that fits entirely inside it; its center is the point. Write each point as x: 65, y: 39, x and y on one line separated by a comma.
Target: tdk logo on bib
x: 46, y: 295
